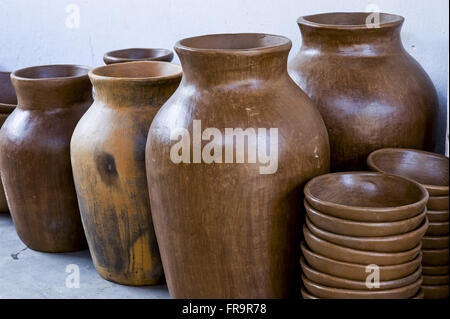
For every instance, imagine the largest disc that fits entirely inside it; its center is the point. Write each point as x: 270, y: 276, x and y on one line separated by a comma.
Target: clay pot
x: 435, y: 242
x: 435, y: 257
x: 213, y: 220
x: 8, y: 102
x: 367, y: 197
x: 337, y: 282
x: 435, y: 270
x: 35, y: 155
x: 108, y: 160
x: 429, y: 169
x: 438, y: 203
x: 435, y: 280
x: 435, y: 292
x: 436, y: 216
x: 370, y: 91
x: 325, y: 292
x: 367, y: 229
x: 356, y: 271
x: 137, y: 54
x: 438, y: 229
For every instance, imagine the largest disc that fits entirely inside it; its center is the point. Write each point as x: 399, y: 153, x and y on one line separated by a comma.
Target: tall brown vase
x: 229, y: 227
x: 371, y: 93
x: 8, y: 102
x: 108, y: 160
x: 34, y: 155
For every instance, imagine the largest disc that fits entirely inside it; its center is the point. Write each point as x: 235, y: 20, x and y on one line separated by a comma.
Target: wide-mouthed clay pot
x: 35, y: 155
x: 364, y: 257
x: 435, y: 242
x: 137, y: 54
x: 370, y: 91
x: 436, y: 216
x: 392, y: 243
x: 357, y: 271
x: 438, y: 203
x: 435, y: 291
x: 325, y: 292
x: 435, y: 270
x: 435, y: 257
x: 367, y: 197
x: 438, y: 229
x: 108, y: 160
x: 429, y: 169
x: 217, y: 208
x: 355, y: 228
x: 8, y: 102
x: 435, y: 280
x: 337, y: 282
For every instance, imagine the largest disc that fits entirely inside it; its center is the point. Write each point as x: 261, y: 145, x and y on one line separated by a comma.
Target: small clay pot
x: 393, y: 243
x: 307, y: 295
x: 435, y: 292
x: 336, y: 293
x: 435, y: 280
x: 435, y: 270
x: 435, y: 242
x: 137, y: 54
x: 356, y: 271
x: 429, y: 169
x: 355, y: 228
x: 436, y: 216
x: 438, y: 203
x: 369, y: 197
x: 438, y: 229
x: 435, y: 257
x: 337, y: 282
x: 340, y: 253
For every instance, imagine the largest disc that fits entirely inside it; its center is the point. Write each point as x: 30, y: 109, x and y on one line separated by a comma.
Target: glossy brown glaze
x: 435, y: 257
x: 137, y: 54
x: 435, y: 292
x: 108, y: 160
x: 435, y: 280
x: 435, y: 242
x: 8, y: 102
x: 438, y: 203
x: 367, y: 197
x: 224, y: 229
x: 436, y: 216
x: 35, y: 155
x: 370, y: 91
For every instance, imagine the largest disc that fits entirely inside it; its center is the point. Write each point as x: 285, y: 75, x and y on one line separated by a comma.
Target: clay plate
x: 435, y: 292
x: 435, y: 257
x: 438, y: 203
x: 435, y: 270
x: 436, y: 216
x: 137, y: 54
x: 438, y: 229
x: 435, y: 242
x: 435, y: 280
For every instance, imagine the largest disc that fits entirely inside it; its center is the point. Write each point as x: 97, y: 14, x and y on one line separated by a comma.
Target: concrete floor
x: 25, y: 273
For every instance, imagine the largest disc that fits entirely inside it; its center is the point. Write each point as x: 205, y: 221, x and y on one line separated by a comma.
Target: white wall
x: 34, y: 32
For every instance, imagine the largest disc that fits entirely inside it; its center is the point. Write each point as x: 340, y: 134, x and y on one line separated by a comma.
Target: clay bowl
x: 357, y: 272
x: 438, y: 203
x: 429, y: 169
x: 365, y: 196
x: 435, y: 292
x: 435, y: 270
x: 137, y: 54
x: 436, y: 216
x: 354, y: 228
x: 438, y: 229
x: 306, y: 295
x: 340, y: 253
x: 394, y: 243
x: 325, y: 292
x: 435, y: 280
x: 435, y: 257
x: 337, y: 282
x: 435, y: 242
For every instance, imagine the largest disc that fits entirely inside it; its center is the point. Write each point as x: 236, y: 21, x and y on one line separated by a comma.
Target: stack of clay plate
x: 431, y: 170
x: 362, y: 236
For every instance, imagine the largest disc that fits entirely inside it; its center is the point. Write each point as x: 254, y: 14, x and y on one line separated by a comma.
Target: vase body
x: 108, y: 160
x: 371, y: 93
x: 8, y: 101
x: 35, y: 155
x: 224, y: 228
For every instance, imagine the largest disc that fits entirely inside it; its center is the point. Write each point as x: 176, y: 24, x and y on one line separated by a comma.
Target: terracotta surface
x: 226, y: 230
x: 435, y: 270
x: 108, y: 160
x: 137, y: 54
x: 435, y: 292
x: 438, y: 229
x: 393, y: 243
x: 370, y: 91
x: 429, y: 169
x: 355, y: 228
x: 35, y: 155
x: 356, y: 271
x: 435, y: 280
x: 438, y: 203
x: 364, y: 196
x: 435, y: 242
x: 8, y: 102
x: 435, y: 257
x: 436, y: 216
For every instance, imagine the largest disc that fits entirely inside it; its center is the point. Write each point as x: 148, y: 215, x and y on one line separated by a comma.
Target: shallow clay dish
x: 435, y: 292
x: 325, y: 292
x: 337, y: 282
x: 364, y: 196
x: 436, y: 216
x: 438, y: 203
x: 435, y: 242
x: 307, y: 295
x: 438, y: 229
x: 435, y: 280
x: 137, y: 54
x: 394, y: 243
x: 356, y: 271
x: 340, y: 253
x: 435, y: 270
x: 367, y: 229
x: 435, y: 257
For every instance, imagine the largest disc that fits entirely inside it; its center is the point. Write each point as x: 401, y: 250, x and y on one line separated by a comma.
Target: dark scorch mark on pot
x: 106, y: 166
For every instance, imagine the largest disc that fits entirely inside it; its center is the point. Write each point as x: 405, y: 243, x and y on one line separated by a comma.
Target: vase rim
x: 137, y: 71
x: 235, y: 43
x: 348, y: 20
x: 143, y: 54
x: 51, y: 72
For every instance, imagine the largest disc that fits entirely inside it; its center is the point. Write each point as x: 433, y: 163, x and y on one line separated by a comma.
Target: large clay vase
x: 8, y: 101
x: 35, y: 155
x: 371, y: 93
x: 108, y: 160
x: 229, y: 227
